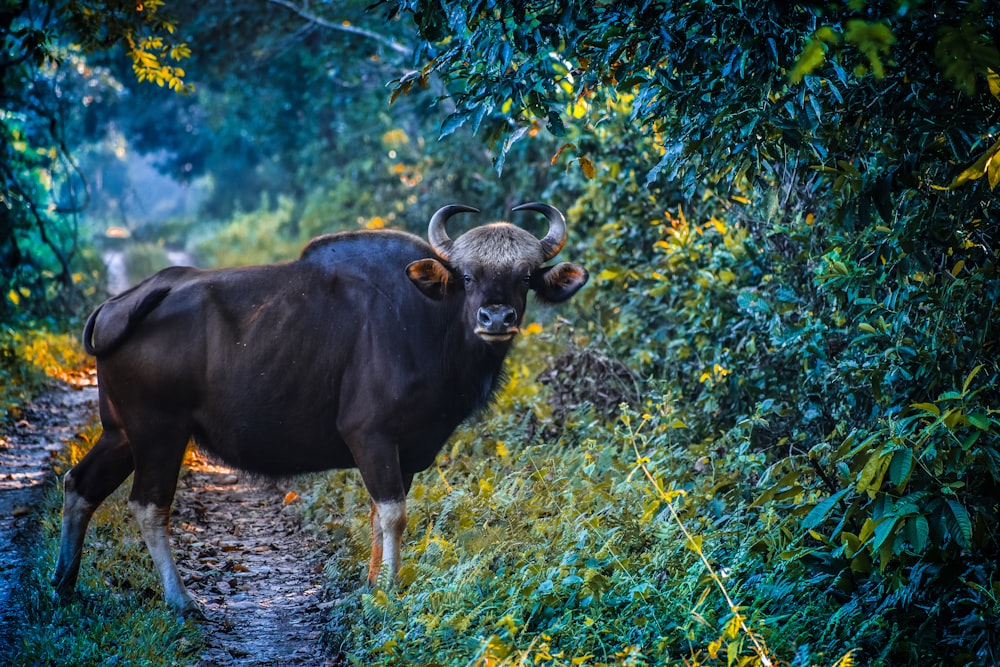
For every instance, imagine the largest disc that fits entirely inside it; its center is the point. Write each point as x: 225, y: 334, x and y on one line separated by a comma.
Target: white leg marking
x: 392, y: 521
x: 153, y: 525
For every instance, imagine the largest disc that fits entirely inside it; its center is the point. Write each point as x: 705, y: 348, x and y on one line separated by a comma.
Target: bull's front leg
x: 387, y: 518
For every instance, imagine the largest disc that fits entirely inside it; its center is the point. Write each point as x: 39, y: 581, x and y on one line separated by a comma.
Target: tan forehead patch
x: 496, y: 245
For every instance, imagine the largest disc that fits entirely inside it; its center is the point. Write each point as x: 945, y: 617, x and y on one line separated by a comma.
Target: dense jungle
x: 767, y: 431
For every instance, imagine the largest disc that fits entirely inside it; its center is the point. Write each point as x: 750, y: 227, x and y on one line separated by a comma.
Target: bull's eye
x: 526, y: 279
x: 468, y: 279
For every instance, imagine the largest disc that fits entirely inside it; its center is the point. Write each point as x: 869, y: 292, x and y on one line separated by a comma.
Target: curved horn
x: 556, y: 238
x: 436, y: 233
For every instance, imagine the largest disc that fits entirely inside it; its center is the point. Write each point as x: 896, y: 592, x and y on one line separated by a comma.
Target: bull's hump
x: 364, y: 247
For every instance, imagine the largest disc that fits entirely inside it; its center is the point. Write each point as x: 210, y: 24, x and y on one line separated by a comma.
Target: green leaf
x: 819, y: 512
x: 555, y: 125
x: 883, y: 531
x: 901, y: 466
x: 979, y: 420
x: 961, y: 526
x: 917, y: 530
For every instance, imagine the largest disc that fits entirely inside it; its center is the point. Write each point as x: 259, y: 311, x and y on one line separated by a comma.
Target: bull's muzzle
x: 496, y: 322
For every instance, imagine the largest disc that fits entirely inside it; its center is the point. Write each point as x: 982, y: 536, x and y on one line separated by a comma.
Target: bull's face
x: 494, y: 267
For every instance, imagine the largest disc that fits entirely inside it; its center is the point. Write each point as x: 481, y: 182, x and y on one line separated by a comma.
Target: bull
x: 367, y: 352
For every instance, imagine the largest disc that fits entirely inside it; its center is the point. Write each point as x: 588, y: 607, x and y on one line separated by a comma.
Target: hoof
x: 188, y: 609
x: 62, y: 592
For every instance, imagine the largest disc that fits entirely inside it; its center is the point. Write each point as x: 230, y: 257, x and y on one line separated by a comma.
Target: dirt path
x: 26, y: 449
x: 257, y: 576
x: 237, y: 541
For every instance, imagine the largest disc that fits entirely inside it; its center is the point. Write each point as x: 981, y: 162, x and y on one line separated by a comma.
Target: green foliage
x: 862, y: 372
x: 43, y: 190
x: 258, y: 237
x: 554, y: 555
x: 117, y: 614
x: 29, y: 360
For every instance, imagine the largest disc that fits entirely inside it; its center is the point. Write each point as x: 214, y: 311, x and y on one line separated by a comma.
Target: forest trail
x: 257, y: 575
x: 239, y: 546
x: 27, y: 446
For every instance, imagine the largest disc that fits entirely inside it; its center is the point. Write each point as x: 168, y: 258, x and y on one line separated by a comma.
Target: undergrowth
x: 117, y: 616
x: 30, y: 357
x: 525, y: 553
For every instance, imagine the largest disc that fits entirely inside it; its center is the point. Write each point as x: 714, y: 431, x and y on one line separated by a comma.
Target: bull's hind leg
x: 159, y: 452
x: 86, y: 486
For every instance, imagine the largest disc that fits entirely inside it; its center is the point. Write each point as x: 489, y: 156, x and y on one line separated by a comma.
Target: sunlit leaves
x: 148, y: 56
x: 814, y: 53
x: 987, y: 165
x: 873, y: 39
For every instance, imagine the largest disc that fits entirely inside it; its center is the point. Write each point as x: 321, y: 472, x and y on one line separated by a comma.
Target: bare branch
x: 350, y: 29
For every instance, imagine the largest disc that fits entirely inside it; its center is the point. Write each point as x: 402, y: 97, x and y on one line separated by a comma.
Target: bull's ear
x: 430, y: 276
x: 558, y: 283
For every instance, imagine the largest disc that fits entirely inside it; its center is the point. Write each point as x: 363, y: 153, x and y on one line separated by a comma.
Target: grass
x: 117, y: 616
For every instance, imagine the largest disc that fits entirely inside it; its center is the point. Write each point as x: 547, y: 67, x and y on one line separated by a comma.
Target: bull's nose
x: 496, y: 319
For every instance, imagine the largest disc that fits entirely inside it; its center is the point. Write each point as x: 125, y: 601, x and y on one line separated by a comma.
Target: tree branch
x: 350, y: 29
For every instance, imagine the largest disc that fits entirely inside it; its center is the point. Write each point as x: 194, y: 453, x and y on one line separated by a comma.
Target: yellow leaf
x: 587, y: 166
x: 607, y: 274
x: 978, y: 168
x: 742, y: 200
x: 291, y: 497
x: 867, y: 328
x: 502, y: 449
x: 533, y: 328
x: 993, y: 171
x: 14, y: 297
x: 927, y: 407
x: 561, y: 149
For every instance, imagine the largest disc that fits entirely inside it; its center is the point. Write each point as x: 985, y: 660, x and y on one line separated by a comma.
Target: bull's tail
x: 112, y: 322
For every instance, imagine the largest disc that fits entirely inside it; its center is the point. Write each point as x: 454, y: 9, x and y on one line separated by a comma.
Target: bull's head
x: 494, y: 266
